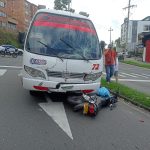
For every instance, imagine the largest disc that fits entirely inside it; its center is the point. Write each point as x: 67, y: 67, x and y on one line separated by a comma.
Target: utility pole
x: 128, y: 7
x: 110, y: 30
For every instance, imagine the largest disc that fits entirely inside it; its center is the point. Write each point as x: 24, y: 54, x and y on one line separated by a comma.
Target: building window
x: 147, y: 28
x: 11, y: 26
x: 2, y: 14
x: 2, y: 4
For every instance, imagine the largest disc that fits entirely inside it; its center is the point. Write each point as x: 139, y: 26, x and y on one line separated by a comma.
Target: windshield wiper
x: 74, y: 49
x: 53, y: 50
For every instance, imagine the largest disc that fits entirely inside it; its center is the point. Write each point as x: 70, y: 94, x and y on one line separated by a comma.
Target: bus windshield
x: 63, y: 36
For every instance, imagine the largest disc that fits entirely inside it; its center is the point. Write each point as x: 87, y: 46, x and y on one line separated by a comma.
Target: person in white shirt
x: 116, y: 70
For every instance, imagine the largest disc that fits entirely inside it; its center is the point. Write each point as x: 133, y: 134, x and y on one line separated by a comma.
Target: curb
x: 131, y: 101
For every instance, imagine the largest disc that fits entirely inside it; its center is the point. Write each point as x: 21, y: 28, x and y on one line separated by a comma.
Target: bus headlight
x: 34, y: 72
x: 92, y: 76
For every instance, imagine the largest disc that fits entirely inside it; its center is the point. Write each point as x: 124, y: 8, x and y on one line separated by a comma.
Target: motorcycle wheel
x: 14, y: 55
x: 2, y: 53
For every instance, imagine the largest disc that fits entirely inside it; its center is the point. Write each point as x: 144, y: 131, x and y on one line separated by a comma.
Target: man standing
x: 110, y: 61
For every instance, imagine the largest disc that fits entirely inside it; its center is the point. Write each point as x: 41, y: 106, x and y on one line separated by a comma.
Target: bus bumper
x: 51, y: 86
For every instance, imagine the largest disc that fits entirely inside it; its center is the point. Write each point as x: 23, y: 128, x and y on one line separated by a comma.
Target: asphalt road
x: 28, y: 122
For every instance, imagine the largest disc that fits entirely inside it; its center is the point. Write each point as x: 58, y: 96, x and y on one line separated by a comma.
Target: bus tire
x: 33, y: 93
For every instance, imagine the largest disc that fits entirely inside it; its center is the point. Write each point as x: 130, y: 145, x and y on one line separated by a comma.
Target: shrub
x: 7, y: 37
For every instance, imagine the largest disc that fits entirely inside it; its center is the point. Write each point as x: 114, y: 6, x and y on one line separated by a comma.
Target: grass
x: 7, y: 37
x: 137, y: 63
x: 133, y: 95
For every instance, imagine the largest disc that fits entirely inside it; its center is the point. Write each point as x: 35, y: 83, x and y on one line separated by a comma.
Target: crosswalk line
x: 134, y: 75
x: 139, y: 75
x: 133, y: 80
x: 129, y: 75
x: 2, y: 72
x: 121, y: 75
x: 146, y: 74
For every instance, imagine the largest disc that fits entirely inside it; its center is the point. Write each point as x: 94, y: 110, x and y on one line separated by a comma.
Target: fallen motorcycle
x: 90, y: 104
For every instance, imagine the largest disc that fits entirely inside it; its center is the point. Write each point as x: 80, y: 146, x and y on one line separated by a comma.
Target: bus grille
x: 64, y: 74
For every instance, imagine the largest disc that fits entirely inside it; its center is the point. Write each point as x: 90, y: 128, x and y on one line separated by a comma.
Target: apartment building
x: 135, y: 28
x: 30, y: 10
x: 3, y: 14
x: 16, y: 14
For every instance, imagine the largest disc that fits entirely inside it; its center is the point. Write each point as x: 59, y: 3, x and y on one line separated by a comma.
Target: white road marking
x: 2, y: 72
x: 132, y: 75
x: 146, y: 74
x: 132, y: 80
x: 129, y: 75
x: 13, y: 67
x: 139, y: 75
x: 121, y: 75
x: 57, y: 112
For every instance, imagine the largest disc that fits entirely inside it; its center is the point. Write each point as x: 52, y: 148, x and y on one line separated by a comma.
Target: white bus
x: 61, y: 53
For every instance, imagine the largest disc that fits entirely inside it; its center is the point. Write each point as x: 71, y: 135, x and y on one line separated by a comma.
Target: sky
x: 106, y: 13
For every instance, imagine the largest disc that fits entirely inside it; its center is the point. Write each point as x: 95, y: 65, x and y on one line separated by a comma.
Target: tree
x: 102, y: 44
x: 58, y: 5
x: 66, y: 2
x: 63, y: 5
x: 119, y: 45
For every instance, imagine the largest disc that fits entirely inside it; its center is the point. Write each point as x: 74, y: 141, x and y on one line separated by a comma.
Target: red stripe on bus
x: 65, y: 26
x: 60, y: 19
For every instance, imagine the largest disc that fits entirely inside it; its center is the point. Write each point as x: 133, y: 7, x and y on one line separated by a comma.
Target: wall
x: 17, y: 15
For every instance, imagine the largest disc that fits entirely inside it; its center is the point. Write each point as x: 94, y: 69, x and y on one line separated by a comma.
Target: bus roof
x: 61, y: 12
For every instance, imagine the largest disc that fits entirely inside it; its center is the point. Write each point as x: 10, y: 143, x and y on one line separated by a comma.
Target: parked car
x: 2, y: 48
x: 10, y: 48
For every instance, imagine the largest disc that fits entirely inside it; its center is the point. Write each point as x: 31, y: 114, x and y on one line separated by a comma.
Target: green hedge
x: 137, y: 63
x: 7, y: 37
